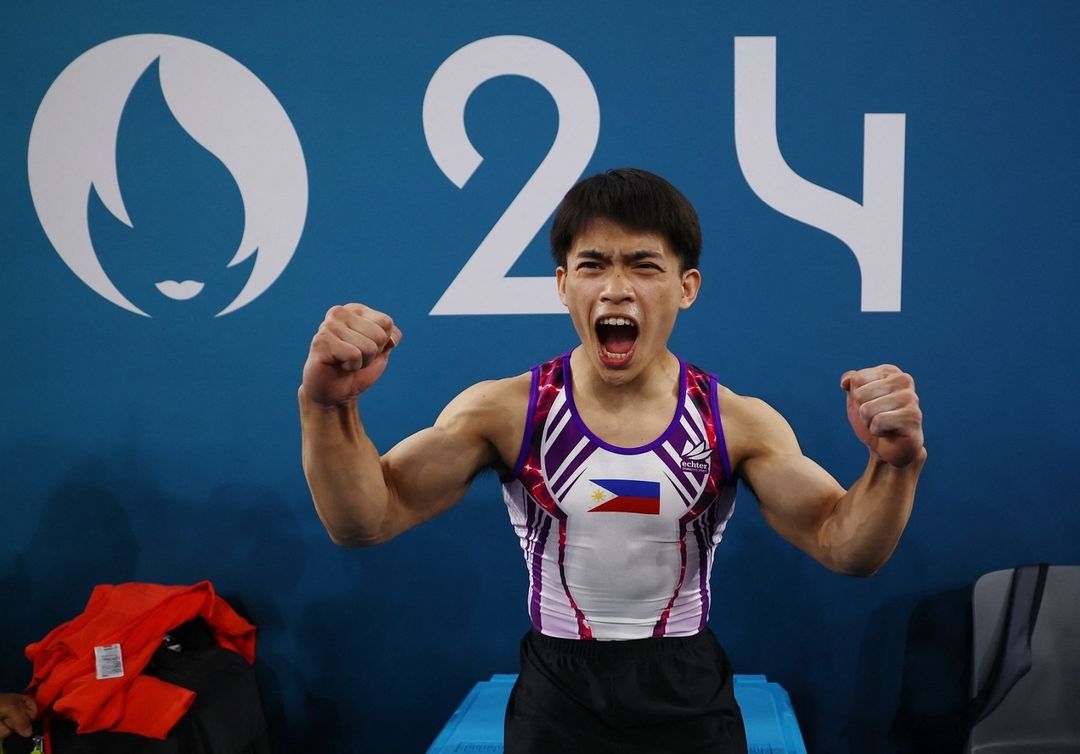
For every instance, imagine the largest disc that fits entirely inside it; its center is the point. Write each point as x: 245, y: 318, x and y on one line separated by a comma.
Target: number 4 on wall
x: 872, y: 230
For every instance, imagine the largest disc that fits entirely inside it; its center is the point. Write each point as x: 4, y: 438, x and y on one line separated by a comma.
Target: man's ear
x: 691, y: 284
x: 560, y: 281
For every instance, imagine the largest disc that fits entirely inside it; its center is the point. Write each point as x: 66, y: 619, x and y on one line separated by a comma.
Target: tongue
x: 618, y: 338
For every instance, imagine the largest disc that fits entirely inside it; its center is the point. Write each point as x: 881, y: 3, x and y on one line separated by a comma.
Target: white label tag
x: 109, y: 661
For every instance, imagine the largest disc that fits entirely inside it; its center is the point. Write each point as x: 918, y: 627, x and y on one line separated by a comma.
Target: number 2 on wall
x: 482, y: 286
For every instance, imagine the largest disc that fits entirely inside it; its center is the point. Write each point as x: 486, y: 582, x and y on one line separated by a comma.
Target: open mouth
x: 616, y: 337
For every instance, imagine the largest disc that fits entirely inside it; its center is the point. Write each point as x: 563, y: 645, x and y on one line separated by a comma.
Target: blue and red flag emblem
x: 631, y: 496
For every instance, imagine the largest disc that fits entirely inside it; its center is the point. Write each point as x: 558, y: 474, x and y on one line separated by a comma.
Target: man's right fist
x: 348, y: 353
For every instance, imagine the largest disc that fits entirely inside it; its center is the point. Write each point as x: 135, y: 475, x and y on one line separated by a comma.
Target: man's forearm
x: 863, y: 530
x: 344, y: 472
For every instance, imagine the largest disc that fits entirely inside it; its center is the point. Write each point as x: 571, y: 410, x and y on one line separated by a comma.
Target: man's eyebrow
x: 640, y: 254
x: 592, y: 254
x: 633, y: 256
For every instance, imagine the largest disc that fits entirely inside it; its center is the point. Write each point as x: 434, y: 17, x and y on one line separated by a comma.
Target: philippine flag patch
x: 631, y: 496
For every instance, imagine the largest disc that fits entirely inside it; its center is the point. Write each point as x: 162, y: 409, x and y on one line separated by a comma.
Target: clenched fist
x: 348, y: 353
x: 884, y: 412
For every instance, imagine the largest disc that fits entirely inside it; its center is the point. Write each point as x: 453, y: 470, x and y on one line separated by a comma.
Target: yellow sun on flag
x: 598, y: 495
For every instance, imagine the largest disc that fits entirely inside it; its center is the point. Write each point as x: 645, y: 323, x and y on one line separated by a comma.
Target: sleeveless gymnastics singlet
x: 619, y: 542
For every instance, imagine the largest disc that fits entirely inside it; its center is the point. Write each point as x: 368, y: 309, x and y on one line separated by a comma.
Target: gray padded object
x: 1041, y: 714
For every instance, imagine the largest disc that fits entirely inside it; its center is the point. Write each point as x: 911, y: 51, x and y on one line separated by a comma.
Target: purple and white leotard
x: 619, y: 542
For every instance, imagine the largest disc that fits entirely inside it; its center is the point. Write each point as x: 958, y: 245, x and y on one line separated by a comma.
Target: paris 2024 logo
x: 222, y: 105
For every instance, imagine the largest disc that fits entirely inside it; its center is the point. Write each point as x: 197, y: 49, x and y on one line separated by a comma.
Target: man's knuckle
x: 383, y: 321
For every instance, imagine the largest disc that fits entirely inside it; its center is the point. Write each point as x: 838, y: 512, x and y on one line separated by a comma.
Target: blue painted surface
x: 167, y: 448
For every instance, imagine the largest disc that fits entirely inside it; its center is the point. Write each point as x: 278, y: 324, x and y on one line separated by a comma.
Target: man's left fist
x: 884, y: 412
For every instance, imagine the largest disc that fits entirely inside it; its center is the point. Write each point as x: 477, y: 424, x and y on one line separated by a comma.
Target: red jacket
x: 135, y: 616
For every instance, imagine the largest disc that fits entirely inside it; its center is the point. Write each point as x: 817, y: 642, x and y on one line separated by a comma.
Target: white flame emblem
x: 222, y: 105
x: 699, y: 452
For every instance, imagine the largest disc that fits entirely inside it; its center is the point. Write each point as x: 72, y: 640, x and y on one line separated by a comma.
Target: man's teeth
x: 612, y: 356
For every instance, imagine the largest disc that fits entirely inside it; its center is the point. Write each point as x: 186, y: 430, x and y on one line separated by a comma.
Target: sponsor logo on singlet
x: 696, y: 458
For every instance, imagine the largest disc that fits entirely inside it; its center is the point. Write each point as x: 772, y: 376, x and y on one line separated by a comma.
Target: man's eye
x: 588, y: 265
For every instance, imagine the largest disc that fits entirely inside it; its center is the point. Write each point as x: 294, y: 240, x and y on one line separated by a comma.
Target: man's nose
x: 617, y: 289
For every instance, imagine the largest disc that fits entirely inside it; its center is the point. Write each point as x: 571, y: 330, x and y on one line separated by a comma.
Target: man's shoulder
x: 491, y: 411
x: 747, y: 411
x: 751, y: 426
x: 487, y: 406
x: 504, y: 391
x: 511, y: 392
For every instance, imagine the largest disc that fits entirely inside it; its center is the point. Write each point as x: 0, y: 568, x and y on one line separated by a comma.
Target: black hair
x: 635, y: 199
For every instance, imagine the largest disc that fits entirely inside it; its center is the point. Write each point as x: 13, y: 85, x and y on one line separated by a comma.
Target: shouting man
x: 618, y: 463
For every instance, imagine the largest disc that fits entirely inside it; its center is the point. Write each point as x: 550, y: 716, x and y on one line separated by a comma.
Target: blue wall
x: 166, y: 448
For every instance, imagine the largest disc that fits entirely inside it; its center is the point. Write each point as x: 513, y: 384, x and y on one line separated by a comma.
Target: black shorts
x: 643, y: 695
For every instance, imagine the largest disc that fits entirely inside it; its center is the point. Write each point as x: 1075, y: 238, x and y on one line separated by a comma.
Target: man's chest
x: 609, y: 489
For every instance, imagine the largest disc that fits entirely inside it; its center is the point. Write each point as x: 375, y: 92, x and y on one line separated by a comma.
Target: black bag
x: 225, y: 718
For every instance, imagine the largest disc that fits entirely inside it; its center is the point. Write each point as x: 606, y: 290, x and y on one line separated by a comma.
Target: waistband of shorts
x: 620, y: 647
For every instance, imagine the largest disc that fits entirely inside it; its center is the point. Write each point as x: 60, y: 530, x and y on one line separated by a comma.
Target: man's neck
x: 657, y: 381
x: 628, y: 414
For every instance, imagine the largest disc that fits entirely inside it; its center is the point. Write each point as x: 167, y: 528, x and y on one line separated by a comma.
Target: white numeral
x: 873, y: 230
x: 482, y: 286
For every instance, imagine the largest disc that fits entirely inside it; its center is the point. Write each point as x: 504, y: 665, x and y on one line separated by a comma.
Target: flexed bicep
x: 796, y: 496
x: 430, y: 471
